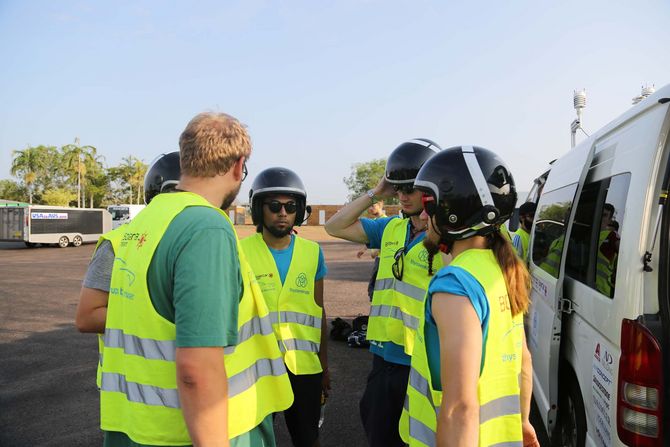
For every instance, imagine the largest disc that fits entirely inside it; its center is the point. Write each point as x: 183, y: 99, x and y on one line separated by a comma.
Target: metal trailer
x: 62, y: 226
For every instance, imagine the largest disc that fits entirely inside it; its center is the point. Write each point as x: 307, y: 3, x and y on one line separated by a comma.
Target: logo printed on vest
x: 142, y: 240
x: 301, y: 280
x: 423, y: 255
x: 389, y: 243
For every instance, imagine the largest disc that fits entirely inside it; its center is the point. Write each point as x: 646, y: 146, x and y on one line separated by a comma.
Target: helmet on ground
x: 405, y: 161
x: 470, y: 191
x: 277, y: 181
x: 162, y: 175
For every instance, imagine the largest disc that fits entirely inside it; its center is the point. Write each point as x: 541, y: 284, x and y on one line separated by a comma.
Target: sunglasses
x: 245, y: 171
x: 405, y: 189
x: 398, y: 266
x: 275, y: 206
x: 429, y: 204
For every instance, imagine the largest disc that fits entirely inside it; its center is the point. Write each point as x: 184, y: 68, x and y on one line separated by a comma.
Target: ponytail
x: 514, y: 271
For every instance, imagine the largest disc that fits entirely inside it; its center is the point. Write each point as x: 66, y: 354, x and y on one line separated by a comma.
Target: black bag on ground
x: 340, y: 330
x: 360, y: 323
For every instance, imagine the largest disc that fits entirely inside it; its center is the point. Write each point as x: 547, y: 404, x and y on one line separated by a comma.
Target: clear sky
x: 322, y: 85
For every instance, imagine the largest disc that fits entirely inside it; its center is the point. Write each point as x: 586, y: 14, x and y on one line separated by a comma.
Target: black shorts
x: 302, y: 418
x: 382, y: 402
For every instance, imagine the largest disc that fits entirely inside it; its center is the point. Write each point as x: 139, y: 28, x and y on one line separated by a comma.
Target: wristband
x: 371, y: 194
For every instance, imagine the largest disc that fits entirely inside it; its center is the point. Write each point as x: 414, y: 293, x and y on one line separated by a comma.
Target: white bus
x: 123, y: 213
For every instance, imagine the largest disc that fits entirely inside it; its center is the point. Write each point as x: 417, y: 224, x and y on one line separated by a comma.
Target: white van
x: 122, y: 214
x: 599, y: 322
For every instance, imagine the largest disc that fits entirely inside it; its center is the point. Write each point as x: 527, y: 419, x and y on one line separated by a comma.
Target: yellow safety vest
x: 397, y: 306
x: 498, y: 387
x: 296, y: 318
x: 117, y: 233
x: 525, y: 238
x: 552, y: 263
x: 604, y: 268
x: 139, y: 394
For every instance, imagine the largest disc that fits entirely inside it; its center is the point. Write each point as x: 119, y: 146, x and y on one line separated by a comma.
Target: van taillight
x: 640, y: 401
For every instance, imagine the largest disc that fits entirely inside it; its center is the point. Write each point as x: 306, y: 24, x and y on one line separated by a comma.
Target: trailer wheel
x: 76, y: 241
x: 63, y: 242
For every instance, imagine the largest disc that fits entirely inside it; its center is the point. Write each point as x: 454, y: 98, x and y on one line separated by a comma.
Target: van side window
x: 549, y: 229
x: 594, y: 241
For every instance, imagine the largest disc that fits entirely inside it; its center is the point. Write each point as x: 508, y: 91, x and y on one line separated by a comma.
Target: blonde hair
x: 211, y: 144
x: 514, y: 270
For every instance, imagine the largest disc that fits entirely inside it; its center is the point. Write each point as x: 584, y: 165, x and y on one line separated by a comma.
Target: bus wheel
x: 76, y: 241
x: 571, y: 424
x: 63, y: 242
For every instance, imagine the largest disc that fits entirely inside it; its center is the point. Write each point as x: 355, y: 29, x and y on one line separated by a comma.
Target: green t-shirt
x: 194, y: 281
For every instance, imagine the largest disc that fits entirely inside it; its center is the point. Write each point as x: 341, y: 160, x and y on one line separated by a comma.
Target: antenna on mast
x: 579, y: 102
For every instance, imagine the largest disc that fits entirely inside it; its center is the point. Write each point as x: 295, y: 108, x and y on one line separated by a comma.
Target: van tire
x: 30, y: 244
x: 63, y: 242
x: 77, y: 241
x: 571, y: 423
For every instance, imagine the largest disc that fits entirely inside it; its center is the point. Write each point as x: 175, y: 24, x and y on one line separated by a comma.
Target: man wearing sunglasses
x: 400, y: 286
x: 290, y: 272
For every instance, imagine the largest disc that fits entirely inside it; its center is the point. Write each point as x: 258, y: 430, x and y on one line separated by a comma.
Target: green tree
x: 59, y: 197
x: 366, y: 176
x: 28, y: 164
x: 11, y: 190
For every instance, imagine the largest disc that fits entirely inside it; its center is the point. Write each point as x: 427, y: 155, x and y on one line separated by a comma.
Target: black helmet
x: 162, y: 175
x: 472, y: 188
x: 277, y: 181
x: 405, y: 161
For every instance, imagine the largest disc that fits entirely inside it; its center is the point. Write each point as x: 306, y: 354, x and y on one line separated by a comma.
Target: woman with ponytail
x: 470, y: 378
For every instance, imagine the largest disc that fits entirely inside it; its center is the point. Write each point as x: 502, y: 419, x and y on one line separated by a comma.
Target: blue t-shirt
x: 455, y: 281
x: 283, y: 260
x: 374, y: 230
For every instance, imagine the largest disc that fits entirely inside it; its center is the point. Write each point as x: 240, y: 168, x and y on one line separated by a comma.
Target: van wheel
x: 76, y: 241
x: 31, y: 244
x: 63, y: 242
x: 571, y: 423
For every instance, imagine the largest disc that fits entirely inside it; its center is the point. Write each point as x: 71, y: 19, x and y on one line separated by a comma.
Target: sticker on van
x: 602, y: 385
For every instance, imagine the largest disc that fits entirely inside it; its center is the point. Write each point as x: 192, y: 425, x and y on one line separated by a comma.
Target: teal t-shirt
x: 194, y: 281
x: 455, y: 281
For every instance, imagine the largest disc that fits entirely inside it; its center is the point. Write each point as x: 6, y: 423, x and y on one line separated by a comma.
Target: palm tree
x: 139, y: 170
x: 76, y: 159
x: 28, y: 164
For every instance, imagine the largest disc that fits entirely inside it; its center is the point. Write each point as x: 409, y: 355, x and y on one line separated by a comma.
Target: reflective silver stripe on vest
x: 144, y: 347
x: 502, y: 406
x: 420, y: 384
x: 296, y: 317
x: 294, y: 344
x: 255, y: 326
x: 508, y: 444
x: 246, y: 379
x: 421, y: 432
x: 405, y: 288
x: 136, y: 392
x: 395, y: 312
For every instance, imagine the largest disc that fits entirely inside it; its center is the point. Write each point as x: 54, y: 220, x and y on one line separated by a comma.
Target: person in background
x: 522, y: 234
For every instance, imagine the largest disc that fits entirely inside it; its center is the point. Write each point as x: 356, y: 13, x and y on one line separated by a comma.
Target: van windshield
x: 119, y: 212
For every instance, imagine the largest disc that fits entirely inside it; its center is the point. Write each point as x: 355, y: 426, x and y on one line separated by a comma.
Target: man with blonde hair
x: 187, y: 333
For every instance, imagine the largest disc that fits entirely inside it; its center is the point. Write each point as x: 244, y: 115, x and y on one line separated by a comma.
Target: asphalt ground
x: 48, y: 395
